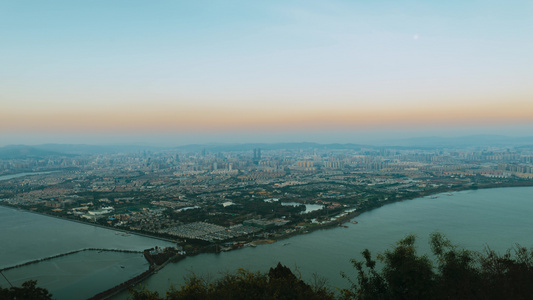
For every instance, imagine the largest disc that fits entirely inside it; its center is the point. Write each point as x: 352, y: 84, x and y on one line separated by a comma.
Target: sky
x: 178, y: 72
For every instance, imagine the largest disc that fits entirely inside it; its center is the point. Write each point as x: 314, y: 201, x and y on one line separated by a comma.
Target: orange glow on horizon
x: 185, y: 119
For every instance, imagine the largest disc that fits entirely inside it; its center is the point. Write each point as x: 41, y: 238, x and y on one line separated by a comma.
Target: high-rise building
x: 257, y: 155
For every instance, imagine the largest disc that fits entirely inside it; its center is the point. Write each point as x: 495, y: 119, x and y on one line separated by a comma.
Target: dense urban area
x: 221, y: 198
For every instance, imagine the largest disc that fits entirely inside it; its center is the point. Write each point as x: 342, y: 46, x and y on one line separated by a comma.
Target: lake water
x: 8, y: 177
x: 308, y: 207
x: 80, y: 275
x: 499, y: 218
x: 28, y: 236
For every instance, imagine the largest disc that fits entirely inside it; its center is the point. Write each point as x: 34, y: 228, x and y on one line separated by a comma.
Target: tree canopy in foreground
x: 398, y: 273
x: 28, y: 290
x: 453, y: 274
x: 278, y: 283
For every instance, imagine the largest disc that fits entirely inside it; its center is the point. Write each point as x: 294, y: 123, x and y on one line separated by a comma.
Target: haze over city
x: 178, y: 72
x: 279, y: 149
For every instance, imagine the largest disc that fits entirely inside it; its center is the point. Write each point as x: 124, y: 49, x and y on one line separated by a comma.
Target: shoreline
x: 358, y: 212
x: 329, y: 225
x: 24, y: 174
x: 87, y: 223
x: 64, y: 254
x: 349, y: 216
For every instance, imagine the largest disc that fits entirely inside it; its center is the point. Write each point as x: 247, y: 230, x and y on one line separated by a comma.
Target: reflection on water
x: 80, y: 275
x: 473, y: 219
x: 32, y: 236
x: 7, y: 177
x: 308, y: 207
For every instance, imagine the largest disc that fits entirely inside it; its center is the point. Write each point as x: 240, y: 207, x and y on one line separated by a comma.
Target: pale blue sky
x: 197, y: 67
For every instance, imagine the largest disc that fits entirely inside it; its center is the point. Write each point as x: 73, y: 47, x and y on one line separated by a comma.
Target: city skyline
x: 179, y: 72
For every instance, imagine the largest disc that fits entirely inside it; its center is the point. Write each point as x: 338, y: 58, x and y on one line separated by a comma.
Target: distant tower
x: 257, y: 155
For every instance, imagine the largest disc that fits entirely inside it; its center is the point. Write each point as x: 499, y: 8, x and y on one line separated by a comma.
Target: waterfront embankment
x: 473, y: 219
x: 65, y: 254
x: 80, y: 221
x: 78, y: 234
x: 152, y: 269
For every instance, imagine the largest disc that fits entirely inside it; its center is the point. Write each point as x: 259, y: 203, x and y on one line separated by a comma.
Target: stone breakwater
x: 125, y: 285
x: 65, y: 254
x: 156, y: 263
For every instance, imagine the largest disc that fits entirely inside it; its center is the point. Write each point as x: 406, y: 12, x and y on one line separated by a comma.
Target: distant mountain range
x: 410, y: 143
x: 463, y: 141
x: 96, y: 149
x: 55, y: 150
x: 48, y: 150
x: 23, y: 152
x: 265, y: 146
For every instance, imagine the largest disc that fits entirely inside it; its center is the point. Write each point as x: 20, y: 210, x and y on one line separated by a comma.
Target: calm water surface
x: 81, y: 275
x: 499, y: 218
x: 8, y: 177
x: 29, y: 236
